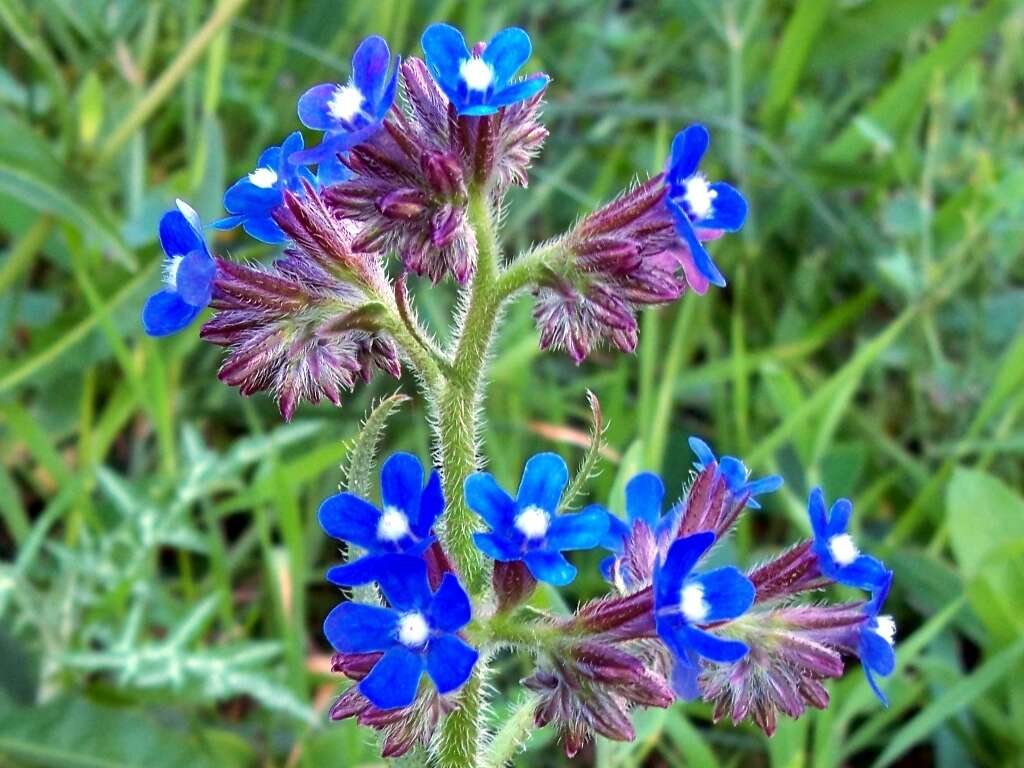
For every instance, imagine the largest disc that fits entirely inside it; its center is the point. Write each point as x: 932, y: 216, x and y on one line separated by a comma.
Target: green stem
x: 462, y: 394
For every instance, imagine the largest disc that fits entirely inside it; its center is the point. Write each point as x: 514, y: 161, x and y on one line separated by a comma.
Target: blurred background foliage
x: 161, y: 585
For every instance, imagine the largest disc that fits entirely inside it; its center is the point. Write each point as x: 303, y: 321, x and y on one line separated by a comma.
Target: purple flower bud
x: 513, y: 584
x: 444, y: 174
x: 404, y: 204
x: 795, y: 570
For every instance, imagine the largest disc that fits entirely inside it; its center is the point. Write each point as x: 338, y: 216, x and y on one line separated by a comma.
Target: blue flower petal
x: 246, y: 198
x: 271, y: 158
x: 485, y: 497
x: 363, y: 570
x: 478, y: 110
x: 701, y: 258
x: 735, y: 473
x: 767, y: 484
x: 866, y: 572
x: 879, y: 594
x: 727, y: 592
x: 359, y: 628
x: 582, y: 530
x: 431, y: 506
x: 265, y: 230
x: 403, y: 580
x: 839, y: 517
x: 194, y: 278
x: 519, y: 91
x: 347, y: 517
x: 682, y: 556
x: 166, y: 312
x: 394, y: 680
x: 178, y: 235
x: 551, y: 567
x: 451, y: 609
x: 293, y: 143
x: 875, y: 687
x: 450, y: 662
x: 618, y: 531
x: 384, y: 103
x: 497, y: 547
x: 401, y: 483
x: 729, y: 210
x: 645, y: 493
x: 714, y: 648
x: 705, y: 456
x: 228, y: 222
x: 876, y: 653
x: 445, y: 49
x: 685, y: 680
x: 606, y: 566
x: 370, y: 67
x: 544, y: 478
x: 314, y: 107
x: 816, y: 511
x: 332, y: 171
x: 506, y: 52
x: 688, y: 148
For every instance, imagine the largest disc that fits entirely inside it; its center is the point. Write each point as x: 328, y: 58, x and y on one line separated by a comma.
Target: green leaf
x: 76, y: 733
x: 983, y: 514
x: 954, y: 699
x: 359, y: 471
x: 90, y: 108
x: 801, y: 31
x: 894, y: 110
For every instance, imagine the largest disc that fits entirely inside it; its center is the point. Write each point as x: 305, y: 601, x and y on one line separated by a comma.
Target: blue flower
x: 416, y: 633
x: 252, y: 199
x: 410, y: 510
x: 684, y: 601
x: 527, y: 527
x: 838, y: 556
x: 877, y: 638
x: 478, y: 84
x: 332, y: 171
x: 350, y: 114
x: 697, y: 206
x: 735, y: 473
x: 644, y: 495
x: 189, y: 272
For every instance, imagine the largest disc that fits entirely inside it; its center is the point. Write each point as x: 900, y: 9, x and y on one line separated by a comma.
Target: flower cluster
x: 412, y: 168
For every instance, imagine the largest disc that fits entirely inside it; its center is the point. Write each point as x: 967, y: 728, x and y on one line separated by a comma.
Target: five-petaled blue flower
x: 684, y: 601
x: 480, y: 84
x: 644, y: 495
x: 410, y: 510
x: 251, y: 200
x: 735, y: 473
x: 838, y: 556
x: 877, y: 638
x: 189, y: 272
x: 416, y: 633
x: 697, y: 205
x: 527, y: 527
x: 350, y: 114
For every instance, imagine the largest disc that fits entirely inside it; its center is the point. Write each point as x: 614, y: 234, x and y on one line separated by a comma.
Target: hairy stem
x: 457, y: 436
x: 461, y: 397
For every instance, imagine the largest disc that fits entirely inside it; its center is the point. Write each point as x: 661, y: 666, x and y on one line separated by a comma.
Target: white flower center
x: 413, y: 630
x: 842, y: 549
x: 885, y: 627
x: 533, y: 522
x: 699, y: 196
x: 346, y: 102
x: 393, y: 525
x: 264, y: 177
x: 171, y: 271
x: 695, y: 607
x: 476, y: 74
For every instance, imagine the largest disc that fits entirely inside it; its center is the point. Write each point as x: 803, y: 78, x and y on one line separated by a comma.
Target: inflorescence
x: 411, y: 152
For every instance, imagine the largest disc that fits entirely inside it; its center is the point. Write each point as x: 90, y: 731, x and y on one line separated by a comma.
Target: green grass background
x: 160, y: 564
